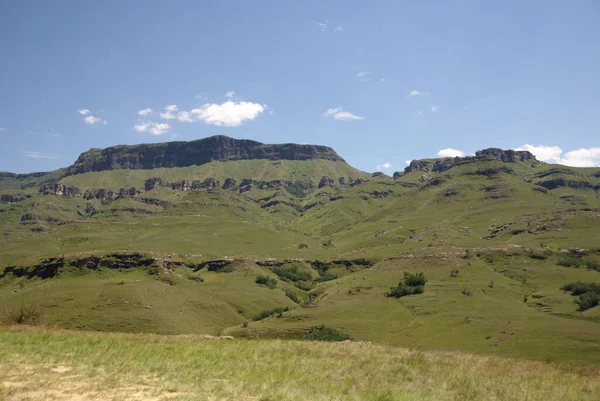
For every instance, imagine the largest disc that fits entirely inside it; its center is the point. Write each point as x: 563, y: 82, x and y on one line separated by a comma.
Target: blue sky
x: 381, y: 82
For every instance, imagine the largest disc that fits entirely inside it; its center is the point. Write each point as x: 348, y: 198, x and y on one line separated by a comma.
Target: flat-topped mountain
x: 202, y: 151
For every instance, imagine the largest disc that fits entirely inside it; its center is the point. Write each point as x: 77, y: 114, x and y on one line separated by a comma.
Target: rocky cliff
x: 182, y: 154
x: 439, y: 165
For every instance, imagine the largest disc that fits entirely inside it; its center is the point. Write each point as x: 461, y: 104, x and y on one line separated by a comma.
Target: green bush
x: 267, y: 281
x: 579, y: 287
x: 538, y: 255
x: 327, y: 276
x: 577, y: 261
x: 466, y: 292
x: 269, y: 312
x: 411, y: 284
x: 292, y: 295
x: 29, y: 314
x: 304, y: 285
x: 292, y: 273
x: 323, y: 333
x: 588, y: 300
x: 414, y: 280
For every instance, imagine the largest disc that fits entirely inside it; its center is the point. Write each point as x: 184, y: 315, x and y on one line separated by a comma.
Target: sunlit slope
x: 480, y: 204
x: 289, y: 170
x: 505, y: 302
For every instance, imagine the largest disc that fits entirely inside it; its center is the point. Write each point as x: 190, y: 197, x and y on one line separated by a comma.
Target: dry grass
x: 59, y: 365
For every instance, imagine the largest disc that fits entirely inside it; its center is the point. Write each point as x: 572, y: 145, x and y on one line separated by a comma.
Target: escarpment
x: 202, y: 151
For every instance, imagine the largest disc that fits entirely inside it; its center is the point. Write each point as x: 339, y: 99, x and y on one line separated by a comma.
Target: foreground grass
x: 52, y: 365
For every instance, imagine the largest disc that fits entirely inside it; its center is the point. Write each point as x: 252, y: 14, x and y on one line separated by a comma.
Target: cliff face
x: 183, y: 154
x: 439, y: 165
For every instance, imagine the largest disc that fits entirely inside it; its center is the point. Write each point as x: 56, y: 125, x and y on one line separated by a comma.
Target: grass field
x: 57, y: 365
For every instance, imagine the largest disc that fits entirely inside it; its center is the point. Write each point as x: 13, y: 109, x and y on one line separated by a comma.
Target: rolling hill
x: 174, y: 238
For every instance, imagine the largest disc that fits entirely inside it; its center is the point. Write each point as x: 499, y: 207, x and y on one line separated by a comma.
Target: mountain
x: 172, y: 238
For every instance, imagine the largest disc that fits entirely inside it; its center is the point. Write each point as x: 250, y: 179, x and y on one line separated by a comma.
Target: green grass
x: 59, y: 365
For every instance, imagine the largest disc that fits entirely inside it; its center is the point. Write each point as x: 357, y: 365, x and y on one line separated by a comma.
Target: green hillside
x: 177, y: 245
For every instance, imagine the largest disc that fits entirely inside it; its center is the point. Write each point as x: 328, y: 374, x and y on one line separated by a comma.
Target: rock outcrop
x: 106, y: 194
x: 13, y: 198
x: 325, y: 182
x: 55, y: 188
x: 445, y: 164
x: 155, y: 182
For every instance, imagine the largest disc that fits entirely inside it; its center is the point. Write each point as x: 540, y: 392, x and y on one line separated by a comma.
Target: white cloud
x: 325, y: 26
x: 418, y: 113
x: 144, y: 112
x: 362, y: 74
x: 40, y: 155
x: 407, y: 162
x: 184, y: 116
x: 382, y: 80
x: 339, y: 114
x: 2, y: 129
x: 228, y: 114
x: 435, y: 109
x: 415, y: 92
x: 450, y: 153
x: 151, y: 127
x: 583, y: 157
x: 551, y: 154
x: 170, y: 111
x: 384, y: 166
x: 91, y: 120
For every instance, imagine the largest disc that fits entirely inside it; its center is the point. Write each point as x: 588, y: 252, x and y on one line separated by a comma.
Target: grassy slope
x: 267, y: 170
x: 58, y: 365
x: 491, y: 320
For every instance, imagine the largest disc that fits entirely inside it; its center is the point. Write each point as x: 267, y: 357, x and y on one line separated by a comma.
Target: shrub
x: 411, y: 284
x: 304, y: 285
x: 323, y: 333
x: 454, y: 273
x: 579, y: 288
x: 576, y: 261
x: 245, y: 324
x: 467, y: 292
x: 26, y: 314
x: 267, y: 281
x: 292, y: 273
x: 327, y: 276
x: 414, y: 280
x: 588, y: 300
x: 269, y: 312
x: 491, y: 284
x: 292, y: 295
x: 538, y: 255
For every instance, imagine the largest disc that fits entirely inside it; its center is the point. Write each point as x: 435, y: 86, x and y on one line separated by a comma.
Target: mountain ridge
x: 197, y: 152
